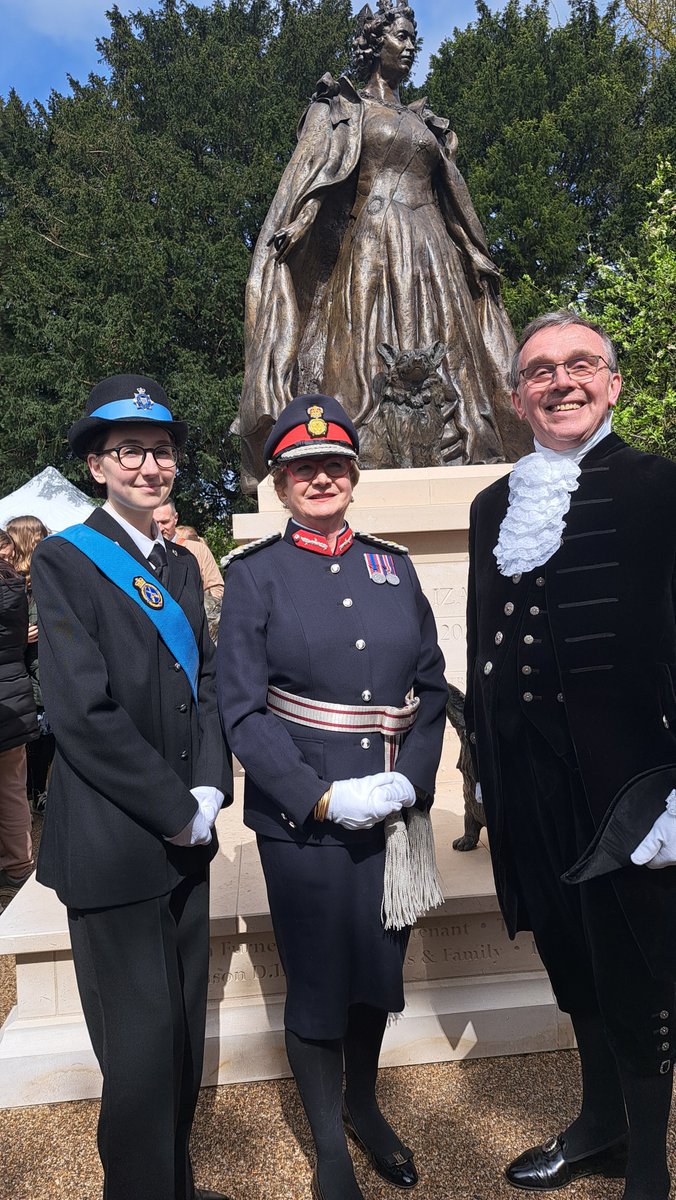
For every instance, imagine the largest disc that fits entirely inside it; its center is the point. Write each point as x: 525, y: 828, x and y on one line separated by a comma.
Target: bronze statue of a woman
x: 372, y: 249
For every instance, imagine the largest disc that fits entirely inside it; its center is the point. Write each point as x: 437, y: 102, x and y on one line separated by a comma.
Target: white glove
x: 658, y: 848
x: 210, y: 800
x: 362, y: 803
x: 407, y: 787
x: 196, y: 833
x: 477, y: 793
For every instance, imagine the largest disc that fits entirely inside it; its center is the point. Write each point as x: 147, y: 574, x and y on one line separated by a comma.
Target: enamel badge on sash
x: 381, y: 568
x: 149, y: 592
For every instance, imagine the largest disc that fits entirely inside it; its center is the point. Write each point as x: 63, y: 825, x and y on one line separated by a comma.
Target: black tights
x: 318, y: 1071
x: 612, y: 1098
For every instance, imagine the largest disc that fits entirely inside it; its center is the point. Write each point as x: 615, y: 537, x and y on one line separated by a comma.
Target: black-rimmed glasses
x: 132, y: 458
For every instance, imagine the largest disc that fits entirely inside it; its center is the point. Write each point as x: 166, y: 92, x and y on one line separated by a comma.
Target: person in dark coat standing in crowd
x: 328, y: 664
x: 18, y: 726
x: 26, y: 532
x: 572, y: 711
x: 139, y: 775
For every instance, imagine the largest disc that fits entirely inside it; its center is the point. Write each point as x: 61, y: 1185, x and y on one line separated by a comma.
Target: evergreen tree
x: 558, y: 127
x: 130, y: 208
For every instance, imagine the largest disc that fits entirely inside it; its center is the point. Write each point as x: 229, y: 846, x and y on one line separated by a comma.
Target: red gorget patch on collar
x: 308, y: 539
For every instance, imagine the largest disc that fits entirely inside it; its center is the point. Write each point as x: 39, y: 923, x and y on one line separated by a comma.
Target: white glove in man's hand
x: 658, y: 848
x: 196, y: 833
x: 210, y: 800
x: 362, y: 803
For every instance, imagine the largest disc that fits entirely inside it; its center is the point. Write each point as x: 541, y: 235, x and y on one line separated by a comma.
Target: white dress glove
x: 196, y: 833
x: 210, y: 800
x: 658, y: 848
x: 477, y: 793
x: 362, y: 803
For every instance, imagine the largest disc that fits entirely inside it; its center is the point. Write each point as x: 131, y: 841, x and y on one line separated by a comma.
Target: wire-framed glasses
x: 581, y: 368
x: 304, y: 470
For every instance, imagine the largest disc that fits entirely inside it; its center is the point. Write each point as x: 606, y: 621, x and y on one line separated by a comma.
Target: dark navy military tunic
x: 317, y: 626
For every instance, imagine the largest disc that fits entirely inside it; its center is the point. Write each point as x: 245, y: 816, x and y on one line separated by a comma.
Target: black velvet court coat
x: 610, y: 603
x: 130, y: 741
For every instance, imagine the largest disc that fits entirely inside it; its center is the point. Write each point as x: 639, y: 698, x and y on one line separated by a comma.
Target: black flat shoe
x: 205, y: 1194
x: 544, y: 1169
x: 397, y: 1169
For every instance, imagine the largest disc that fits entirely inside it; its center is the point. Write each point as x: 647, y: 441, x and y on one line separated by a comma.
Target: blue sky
x: 43, y: 41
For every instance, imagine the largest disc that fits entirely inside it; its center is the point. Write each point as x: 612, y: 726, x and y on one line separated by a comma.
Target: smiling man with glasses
x: 571, y: 710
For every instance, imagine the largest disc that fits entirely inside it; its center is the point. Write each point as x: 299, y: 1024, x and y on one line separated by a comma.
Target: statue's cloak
x: 284, y: 345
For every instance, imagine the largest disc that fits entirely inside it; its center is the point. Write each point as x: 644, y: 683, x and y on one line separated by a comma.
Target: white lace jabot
x: 540, y: 488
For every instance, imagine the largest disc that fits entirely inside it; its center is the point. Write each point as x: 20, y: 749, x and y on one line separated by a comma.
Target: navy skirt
x: 325, y: 906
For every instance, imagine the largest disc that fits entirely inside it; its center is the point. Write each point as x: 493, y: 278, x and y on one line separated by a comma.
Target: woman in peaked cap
x: 139, y: 774
x: 328, y: 666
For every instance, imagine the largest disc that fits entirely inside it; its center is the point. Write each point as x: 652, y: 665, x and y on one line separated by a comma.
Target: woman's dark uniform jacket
x: 610, y: 601
x: 130, y: 740
x: 289, y: 625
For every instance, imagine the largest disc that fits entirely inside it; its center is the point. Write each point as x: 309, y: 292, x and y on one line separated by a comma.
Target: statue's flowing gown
x: 399, y: 279
x: 395, y: 254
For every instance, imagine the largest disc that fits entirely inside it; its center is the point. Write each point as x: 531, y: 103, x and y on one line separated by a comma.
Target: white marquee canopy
x: 50, y: 497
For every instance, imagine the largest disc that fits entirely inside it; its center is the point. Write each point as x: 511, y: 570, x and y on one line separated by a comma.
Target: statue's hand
x: 288, y: 237
x: 484, y: 266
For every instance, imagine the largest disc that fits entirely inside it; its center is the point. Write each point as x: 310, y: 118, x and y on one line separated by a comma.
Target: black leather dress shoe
x: 397, y: 1169
x: 205, y: 1194
x: 544, y: 1169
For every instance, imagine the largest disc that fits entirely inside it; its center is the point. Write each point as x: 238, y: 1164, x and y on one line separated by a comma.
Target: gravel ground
x: 465, y: 1121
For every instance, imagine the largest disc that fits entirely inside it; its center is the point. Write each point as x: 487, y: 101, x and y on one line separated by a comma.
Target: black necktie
x: 158, y: 559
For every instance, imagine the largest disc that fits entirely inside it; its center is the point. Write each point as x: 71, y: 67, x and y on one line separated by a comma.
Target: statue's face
x: 398, y: 49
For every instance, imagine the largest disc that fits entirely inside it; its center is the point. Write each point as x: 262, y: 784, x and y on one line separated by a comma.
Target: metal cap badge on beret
x: 313, y: 424
x: 126, y: 398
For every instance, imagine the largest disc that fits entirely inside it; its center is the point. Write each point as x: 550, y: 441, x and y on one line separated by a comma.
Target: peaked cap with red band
x: 311, y: 425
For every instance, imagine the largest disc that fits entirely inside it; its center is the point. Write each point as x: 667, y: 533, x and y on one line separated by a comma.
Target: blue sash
x: 126, y: 573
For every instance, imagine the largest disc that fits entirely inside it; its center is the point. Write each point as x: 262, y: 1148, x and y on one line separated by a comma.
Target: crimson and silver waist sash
x: 393, y: 723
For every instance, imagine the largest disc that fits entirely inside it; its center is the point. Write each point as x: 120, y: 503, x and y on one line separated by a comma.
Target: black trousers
x: 142, y: 976
x: 582, y: 935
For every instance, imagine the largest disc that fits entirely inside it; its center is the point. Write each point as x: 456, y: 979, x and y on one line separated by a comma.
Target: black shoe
x: 397, y: 1169
x: 205, y: 1194
x: 544, y: 1169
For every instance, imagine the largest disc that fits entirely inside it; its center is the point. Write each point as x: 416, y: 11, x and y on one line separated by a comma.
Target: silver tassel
x: 411, y: 885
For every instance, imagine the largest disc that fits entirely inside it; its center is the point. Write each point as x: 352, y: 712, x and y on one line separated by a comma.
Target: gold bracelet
x: 321, y: 808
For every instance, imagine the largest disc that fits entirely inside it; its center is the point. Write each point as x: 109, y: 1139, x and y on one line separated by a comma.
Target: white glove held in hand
x: 210, y: 800
x: 362, y: 803
x: 196, y: 833
x: 658, y: 848
x: 406, y: 787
